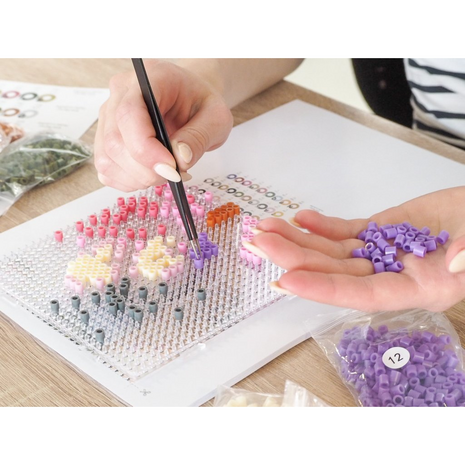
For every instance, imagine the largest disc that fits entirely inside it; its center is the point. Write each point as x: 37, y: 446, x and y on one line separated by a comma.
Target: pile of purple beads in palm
x: 431, y: 378
x: 403, y: 236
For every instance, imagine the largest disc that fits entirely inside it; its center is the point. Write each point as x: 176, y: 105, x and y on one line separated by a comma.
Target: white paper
x: 39, y: 107
x: 318, y: 159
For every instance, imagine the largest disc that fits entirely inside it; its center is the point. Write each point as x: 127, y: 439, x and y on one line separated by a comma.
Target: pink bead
x: 153, y: 212
x: 159, y: 190
x: 133, y: 273
x: 257, y: 260
x: 78, y: 287
x: 119, y: 255
x: 139, y: 245
x: 175, y: 211
x: 89, y: 232
x: 93, y: 220
x: 105, y: 219
x: 117, y: 218
x: 120, y: 201
x: 124, y: 216
x: 102, y: 231
x: 249, y: 256
x: 68, y: 279
x: 182, y: 247
x: 114, y: 275
x: 208, y: 197
x: 116, y: 266
x: 180, y: 267
x: 168, y: 195
x: 243, y: 253
x: 173, y: 270
x: 165, y: 212
x: 200, y: 211
x: 121, y: 240
x: 190, y: 198
x: 100, y: 283
x: 169, y: 251
x: 179, y: 221
x: 79, y: 226
x: 59, y: 236
x: 135, y: 257
x: 141, y: 211
x: 165, y: 273
x: 81, y: 241
x: 113, y: 231
x: 142, y: 233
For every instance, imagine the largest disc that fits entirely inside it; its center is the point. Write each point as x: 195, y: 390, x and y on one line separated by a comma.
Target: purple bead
x: 399, y: 241
x: 207, y: 253
x: 369, y: 236
x: 370, y: 247
x: 429, y: 395
x: 372, y: 226
x: 442, y: 237
x: 388, y: 259
x: 394, y: 378
x: 214, y: 248
x: 444, y: 339
x: 406, y: 341
x: 401, y: 230
x: 376, y: 253
x: 198, y: 263
x: 428, y: 381
x: 409, y: 235
x: 399, y: 389
x: 408, y: 401
x: 428, y: 337
x: 384, y: 381
x: 396, y: 267
x: 390, y: 233
x: 419, y: 251
x: 390, y: 250
x: 426, y: 231
x: 406, y: 246
x: 382, y: 244
x: 377, y: 259
x: 414, y: 230
x: 406, y: 224
x: 377, y: 236
x: 362, y: 235
x: 191, y: 254
x: 433, y: 372
x: 378, y: 266
x: 439, y: 397
x: 411, y: 371
x: 450, y: 400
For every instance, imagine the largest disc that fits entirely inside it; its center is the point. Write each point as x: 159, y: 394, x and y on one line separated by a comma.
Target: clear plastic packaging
x: 35, y: 160
x: 294, y: 396
x: 410, y: 358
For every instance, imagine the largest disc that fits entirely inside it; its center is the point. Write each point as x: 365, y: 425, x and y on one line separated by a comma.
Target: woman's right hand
x: 128, y: 157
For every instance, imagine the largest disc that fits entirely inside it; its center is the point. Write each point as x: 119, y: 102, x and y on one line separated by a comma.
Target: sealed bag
x: 294, y: 396
x: 36, y: 160
x: 396, y: 359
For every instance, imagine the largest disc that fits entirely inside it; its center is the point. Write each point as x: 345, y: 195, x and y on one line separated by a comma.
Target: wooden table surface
x: 33, y: 375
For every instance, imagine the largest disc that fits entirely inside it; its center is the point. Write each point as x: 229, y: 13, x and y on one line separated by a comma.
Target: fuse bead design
x: 142, y: 299
x: 432, y: 377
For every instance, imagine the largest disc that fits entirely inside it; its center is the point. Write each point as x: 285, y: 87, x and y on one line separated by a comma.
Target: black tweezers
x: 177, y: 188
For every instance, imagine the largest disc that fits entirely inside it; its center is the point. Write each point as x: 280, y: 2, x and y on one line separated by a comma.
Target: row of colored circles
x: 18, y: 112
x: 11, y: 94
x: 243, y: 196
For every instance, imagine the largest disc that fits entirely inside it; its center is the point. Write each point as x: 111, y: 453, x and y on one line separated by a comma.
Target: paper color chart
x: 255, y: 197
x: 37, y: 107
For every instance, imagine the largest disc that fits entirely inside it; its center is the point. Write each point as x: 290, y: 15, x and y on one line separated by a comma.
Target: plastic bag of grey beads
x: 294, y: 396
x: 36, y: 160
x: 396, y: 359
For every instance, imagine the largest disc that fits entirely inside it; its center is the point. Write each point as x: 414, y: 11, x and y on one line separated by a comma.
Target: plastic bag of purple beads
x: 396, y: 359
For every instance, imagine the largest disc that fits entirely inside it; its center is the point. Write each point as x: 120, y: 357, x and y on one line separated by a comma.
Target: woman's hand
x: 320, y: 268
x: 127, y: 155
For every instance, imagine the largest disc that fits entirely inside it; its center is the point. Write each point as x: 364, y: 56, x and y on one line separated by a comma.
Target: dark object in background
x: 384, y: 86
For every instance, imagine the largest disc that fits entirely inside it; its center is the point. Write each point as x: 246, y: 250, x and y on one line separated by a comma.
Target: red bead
x: 161, y: 229
x: 113, y: 231
x: 102, y: 231
x: 89, y: 232
x: 120, y: 201
x: 79, y: 226
x: 59, y: 236
x: 93, y: 220
x: 117, y: 218
x: 142, y: 233
x: 130, y: 233
x: 105, y: 219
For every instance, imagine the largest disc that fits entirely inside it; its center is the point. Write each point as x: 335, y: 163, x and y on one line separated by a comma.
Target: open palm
x: 320, y: 266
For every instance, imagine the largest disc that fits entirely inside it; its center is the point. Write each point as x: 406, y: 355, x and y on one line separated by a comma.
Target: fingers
x: 207, y: 130
x: 368, y: 293
x: 291, y: 256
x: 330, y: 227
x: 455, y: 256
x: 335, y: 249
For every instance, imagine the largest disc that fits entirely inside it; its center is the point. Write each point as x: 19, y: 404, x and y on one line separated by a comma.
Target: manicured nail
x: 458, y: 263
x: 277, y: 288
x: 255, y: 231
x: 185, y: 176
x: 255, y: 250
x: 183, y: 150
x: 294, y: 222
x: 167, y: 172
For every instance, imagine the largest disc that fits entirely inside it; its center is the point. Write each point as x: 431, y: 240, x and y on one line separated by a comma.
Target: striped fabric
x: 438, y: 97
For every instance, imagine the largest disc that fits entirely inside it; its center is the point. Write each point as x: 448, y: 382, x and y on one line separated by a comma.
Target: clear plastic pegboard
x: 123, y: 283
